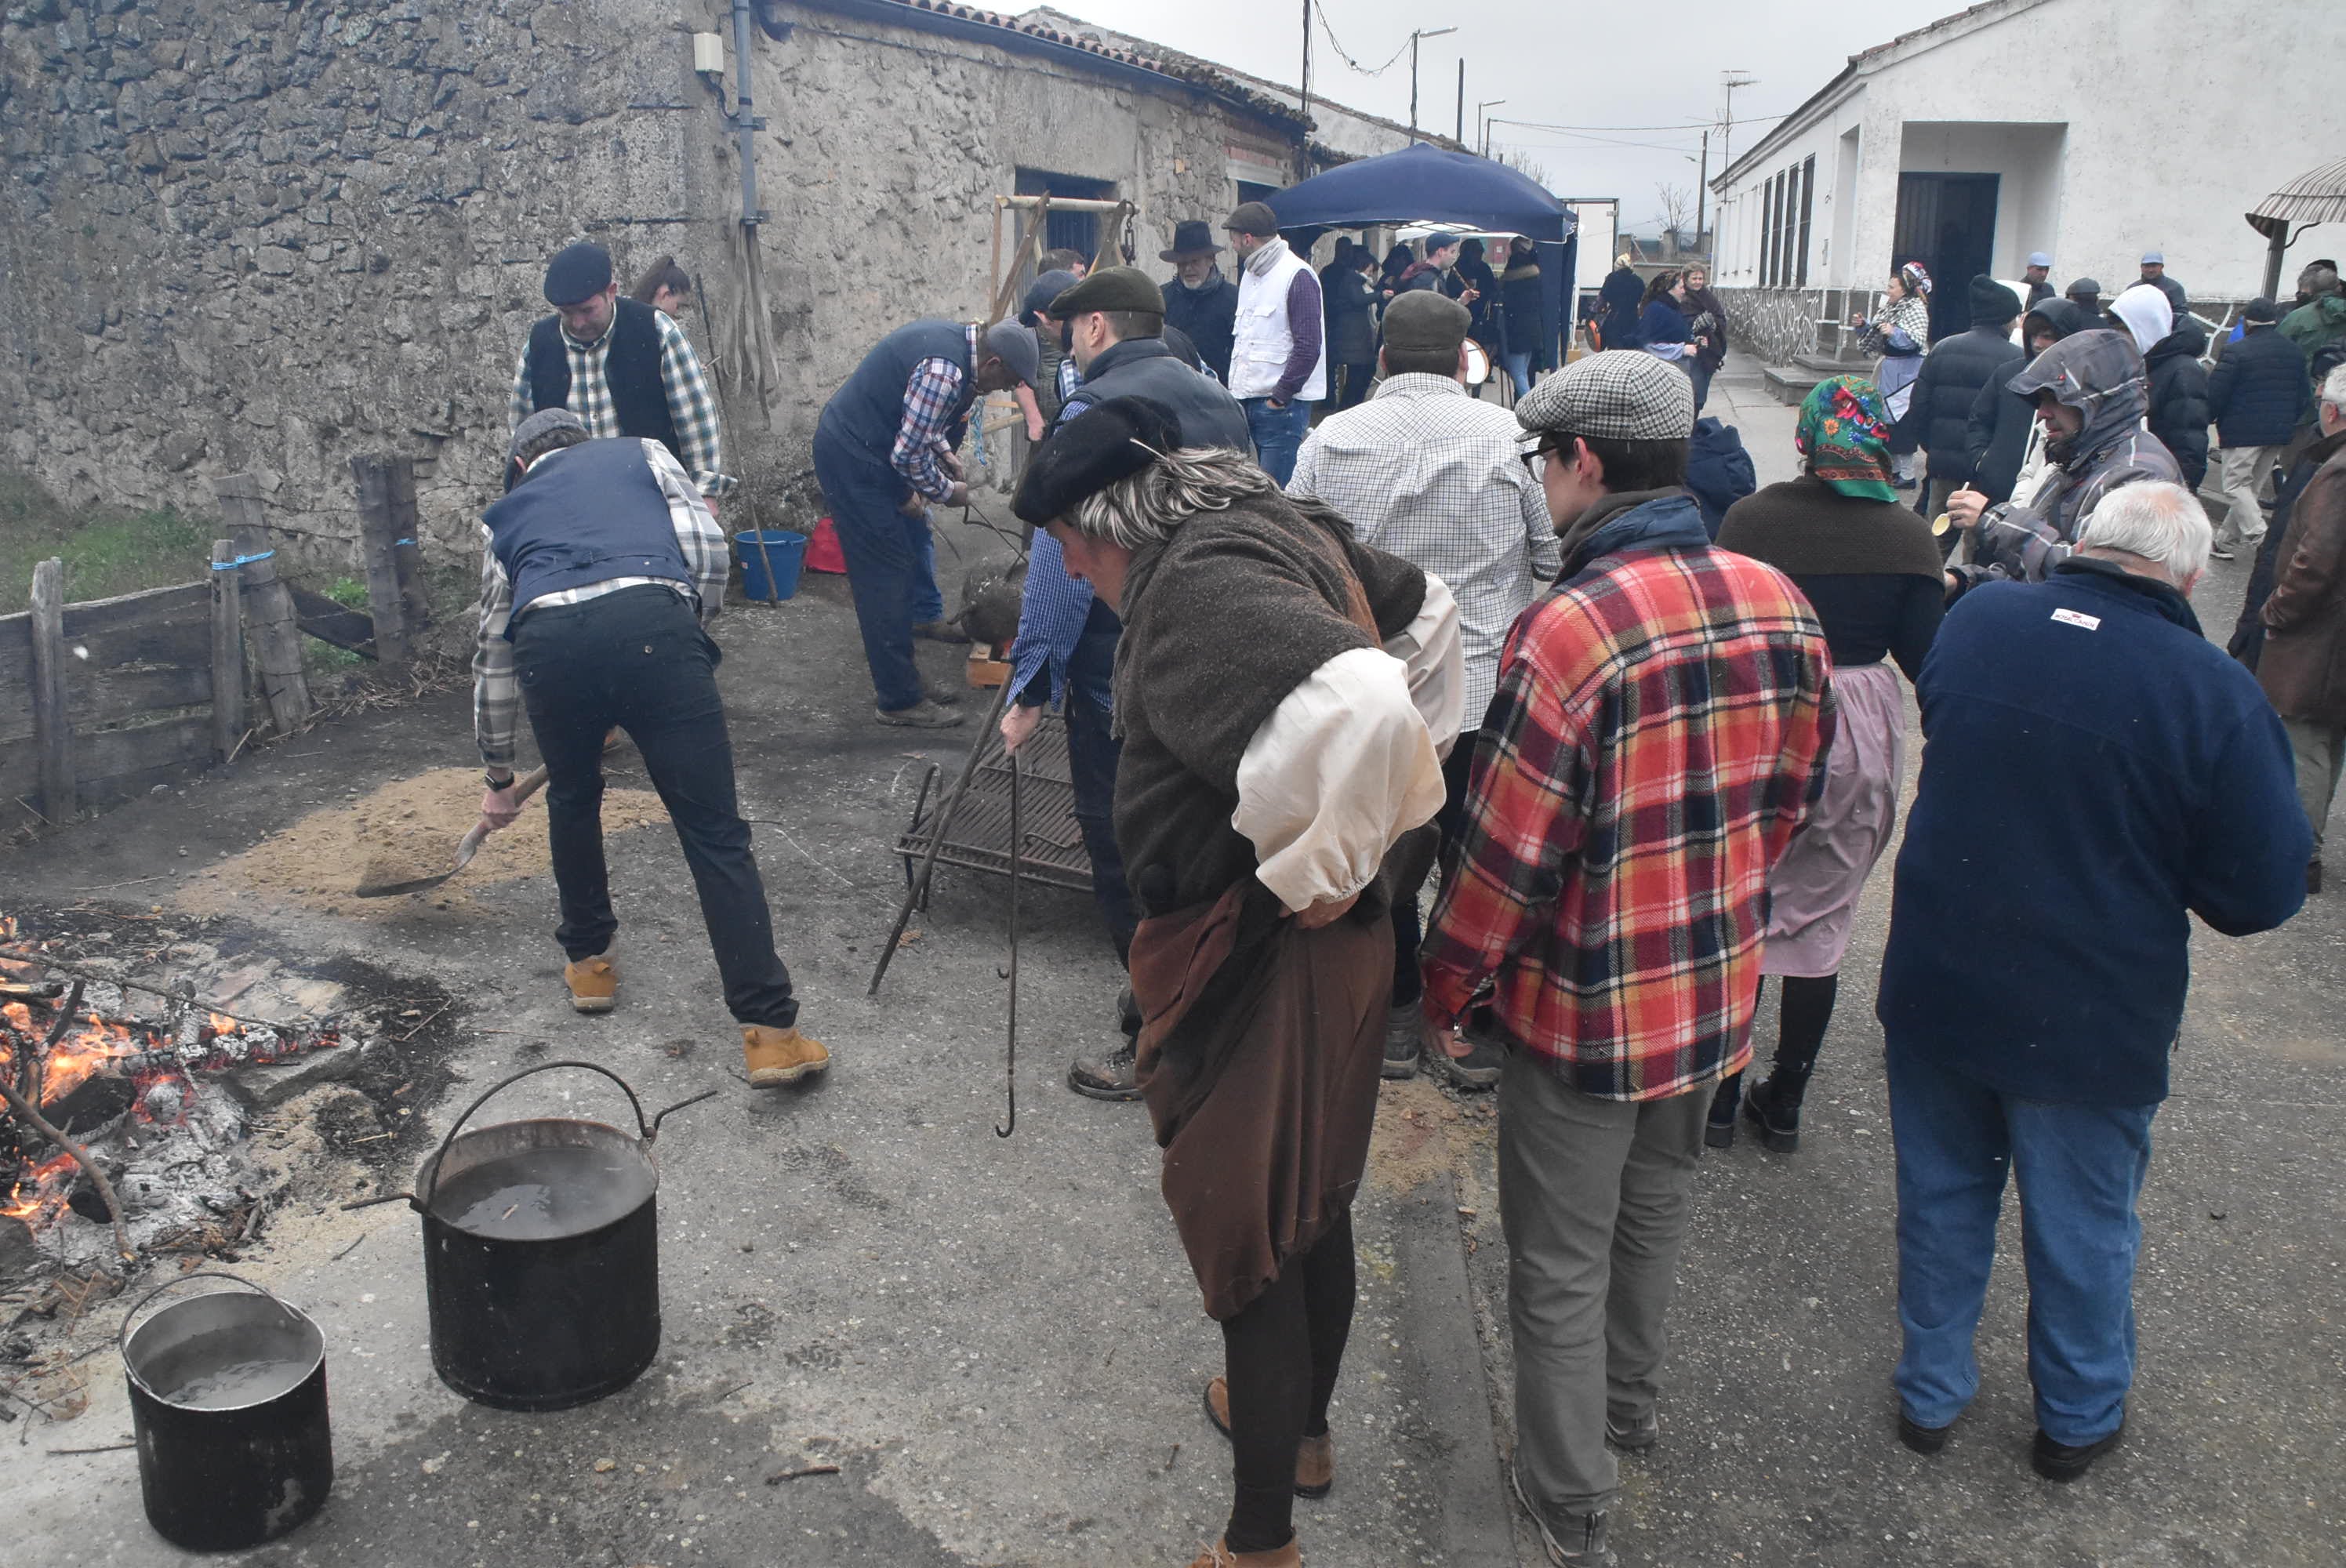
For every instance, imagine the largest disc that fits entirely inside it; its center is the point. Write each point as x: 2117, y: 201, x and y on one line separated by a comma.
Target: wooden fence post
x: 378, y: 536
x: 276, y: 634
x: 228, y: 651
x: 52, y: 725
x: 407, y: 550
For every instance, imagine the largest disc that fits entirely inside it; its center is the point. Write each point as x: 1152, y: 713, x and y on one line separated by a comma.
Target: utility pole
x: 1459, y: 136
x: 1702, y: 190
x: 1413, y: 38
x: 1483, y: 126
x: 1730, y: 80
x: 1307, y: 85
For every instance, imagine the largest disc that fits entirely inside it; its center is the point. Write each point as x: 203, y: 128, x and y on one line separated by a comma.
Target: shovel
x: 383, y: 879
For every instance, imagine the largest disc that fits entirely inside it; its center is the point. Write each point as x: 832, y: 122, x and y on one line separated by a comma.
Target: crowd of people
x: 1652, y: 738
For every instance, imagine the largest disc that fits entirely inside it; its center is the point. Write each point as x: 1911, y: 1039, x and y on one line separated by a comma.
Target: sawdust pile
x: 317, y: 861
x: 1423, y: 1133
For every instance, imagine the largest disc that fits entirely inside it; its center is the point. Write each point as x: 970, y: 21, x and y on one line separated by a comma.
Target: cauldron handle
x: 427, y: 1179
x: 122, y: 1335
x: 680, y: 1105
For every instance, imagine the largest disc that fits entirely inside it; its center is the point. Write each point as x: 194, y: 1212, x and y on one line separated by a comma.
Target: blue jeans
x: 1518, y: 366
x: 892, y: 566
x: 1278, y: 434
x: 2080, y: 1170
x: 1700, y: 374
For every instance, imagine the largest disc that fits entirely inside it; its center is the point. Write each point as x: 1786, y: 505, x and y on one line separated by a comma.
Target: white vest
x: 1258, y: 350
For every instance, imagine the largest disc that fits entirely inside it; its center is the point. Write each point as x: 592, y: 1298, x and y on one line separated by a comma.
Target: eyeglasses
x: 1546, y: 448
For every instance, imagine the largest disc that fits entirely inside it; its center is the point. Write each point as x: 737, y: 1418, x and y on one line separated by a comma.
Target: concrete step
x: 1790, y: 383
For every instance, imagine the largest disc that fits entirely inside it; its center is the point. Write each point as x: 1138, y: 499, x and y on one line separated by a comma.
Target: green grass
x: 106, y: 551
x: 325, y: 657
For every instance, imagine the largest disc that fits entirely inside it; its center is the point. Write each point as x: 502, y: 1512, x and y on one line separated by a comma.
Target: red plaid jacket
x: 1657, y: 737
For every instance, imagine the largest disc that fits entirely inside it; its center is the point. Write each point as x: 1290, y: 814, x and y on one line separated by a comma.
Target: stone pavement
x: 998, y: 1341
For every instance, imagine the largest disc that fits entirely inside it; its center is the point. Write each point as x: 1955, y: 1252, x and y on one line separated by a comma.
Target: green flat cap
x: 1110, y: 289
x: 1425, y: 321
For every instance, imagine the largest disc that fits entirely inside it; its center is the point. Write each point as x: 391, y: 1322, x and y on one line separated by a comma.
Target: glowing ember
x: 40, y: 1193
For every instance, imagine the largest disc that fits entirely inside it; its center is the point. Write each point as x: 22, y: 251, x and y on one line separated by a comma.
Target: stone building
x: 245, y: 235
x: 2086, y: 129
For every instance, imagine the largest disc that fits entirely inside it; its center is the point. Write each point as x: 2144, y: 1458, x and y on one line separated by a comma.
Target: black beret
x: 1091, y: 451
x: 1110, y: 289
x: 578, y: 272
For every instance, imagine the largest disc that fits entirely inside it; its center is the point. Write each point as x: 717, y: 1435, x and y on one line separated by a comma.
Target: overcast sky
x: 1608, y: 66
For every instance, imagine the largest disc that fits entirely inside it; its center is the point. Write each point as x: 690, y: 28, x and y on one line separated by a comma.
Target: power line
x: 1342, y: 54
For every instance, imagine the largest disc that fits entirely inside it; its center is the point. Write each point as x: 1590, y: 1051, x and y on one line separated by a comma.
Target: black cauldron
x: 228, y: 1400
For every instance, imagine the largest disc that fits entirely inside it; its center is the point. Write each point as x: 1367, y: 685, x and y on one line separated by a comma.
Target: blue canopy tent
x: 1423, y: 183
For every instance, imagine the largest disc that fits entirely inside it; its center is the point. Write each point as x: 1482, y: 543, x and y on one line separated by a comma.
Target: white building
x: 2089, y: 130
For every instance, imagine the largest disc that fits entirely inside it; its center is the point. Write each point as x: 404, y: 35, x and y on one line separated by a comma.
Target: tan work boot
x: 594, y: 983
x: 778, y: 1056
x: 1220, y: 1556
x: 1315, y: 1461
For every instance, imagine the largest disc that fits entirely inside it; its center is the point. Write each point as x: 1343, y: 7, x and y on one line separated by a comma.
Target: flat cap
x: 538, y: 424
x: 578, y: 272
x: 2038, y: 258
x: 1252, y: 218
x: 2263, y: 311
x: 1110, y: 289
x: 1425, y: 321
x: 1091, y: 451
x: 1015, y: 346
x: 1046, y: 288
x: 1621, y: 394
x: 2087, y: 289
x: 2154, y: 258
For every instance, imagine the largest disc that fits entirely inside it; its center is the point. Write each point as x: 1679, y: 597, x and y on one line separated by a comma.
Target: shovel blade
x: 412, y: 885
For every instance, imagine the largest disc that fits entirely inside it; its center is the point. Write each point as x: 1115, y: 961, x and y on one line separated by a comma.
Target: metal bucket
x: 541, y: 1254
x: 227, y: 1399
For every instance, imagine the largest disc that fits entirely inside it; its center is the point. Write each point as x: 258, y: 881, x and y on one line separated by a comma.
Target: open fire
x: 124, y: 1069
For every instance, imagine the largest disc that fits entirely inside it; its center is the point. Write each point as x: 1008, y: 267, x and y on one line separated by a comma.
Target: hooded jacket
x: 2179, y: 398
x: 1938, y: 413
x: 2099, y: 375
x: 2146, y: 314
x: 1617, y: 299
x: 2261, y: 388
x: 1996, y: 440
x: 2316, y: 324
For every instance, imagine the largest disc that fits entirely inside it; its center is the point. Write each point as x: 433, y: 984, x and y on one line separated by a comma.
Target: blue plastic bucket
x: 755, y: 547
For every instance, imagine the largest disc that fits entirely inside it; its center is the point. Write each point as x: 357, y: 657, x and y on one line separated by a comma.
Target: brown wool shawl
x: 1805, y: 528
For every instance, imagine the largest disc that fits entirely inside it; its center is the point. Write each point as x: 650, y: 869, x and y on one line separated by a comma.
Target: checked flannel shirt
x: 497, y: 695
x: 936, y: 414
x: 1657, y: 737
x: 690, y: 404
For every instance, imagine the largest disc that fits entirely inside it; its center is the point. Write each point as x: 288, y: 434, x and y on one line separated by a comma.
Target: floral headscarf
x: 1844, y: 432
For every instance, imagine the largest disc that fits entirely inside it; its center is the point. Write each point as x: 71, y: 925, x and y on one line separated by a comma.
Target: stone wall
x: 248, y: 234
x: 1772, y: 325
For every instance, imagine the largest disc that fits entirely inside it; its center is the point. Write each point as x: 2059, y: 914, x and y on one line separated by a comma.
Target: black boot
x: 1719, y: 1131
x: 1775, y: 1115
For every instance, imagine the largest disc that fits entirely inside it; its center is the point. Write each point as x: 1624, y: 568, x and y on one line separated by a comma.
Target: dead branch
x: 63, y: 967
x: 40, y: 1124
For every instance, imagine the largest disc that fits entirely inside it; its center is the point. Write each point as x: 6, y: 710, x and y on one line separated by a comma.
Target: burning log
x: 32, y: 1116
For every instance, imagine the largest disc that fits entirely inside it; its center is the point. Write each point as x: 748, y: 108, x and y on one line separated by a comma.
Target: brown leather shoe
x: 594, y: 983
x: 1220, y: 1556
x: 1315, y: 1461
x: 778, y: 1056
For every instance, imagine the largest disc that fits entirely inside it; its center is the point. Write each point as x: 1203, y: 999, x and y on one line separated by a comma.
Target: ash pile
x: 119, y: 1037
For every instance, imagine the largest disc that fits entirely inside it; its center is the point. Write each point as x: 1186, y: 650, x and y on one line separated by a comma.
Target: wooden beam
x: 407, y: 551
x: 330, y: 621
x: 378, y: 532
x: 228, y: 652
x: 52, y: 725
x: 269, y: 607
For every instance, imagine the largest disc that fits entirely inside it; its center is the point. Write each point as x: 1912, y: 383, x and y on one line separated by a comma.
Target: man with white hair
x: 2094, y: 771
x: 2305, y: 623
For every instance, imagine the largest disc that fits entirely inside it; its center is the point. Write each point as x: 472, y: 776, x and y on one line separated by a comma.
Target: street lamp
x: 1413, y: 37
x: 1481, y: 128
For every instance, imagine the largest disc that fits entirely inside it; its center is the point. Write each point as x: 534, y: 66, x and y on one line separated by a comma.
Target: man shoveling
x: 616, y: 567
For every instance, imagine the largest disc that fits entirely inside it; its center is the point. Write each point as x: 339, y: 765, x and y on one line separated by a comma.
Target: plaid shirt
x: 496, y: 696
x: 937, y: 410
x: 1657, y: 737
x: 1424, y: 471
x: 690, y: 403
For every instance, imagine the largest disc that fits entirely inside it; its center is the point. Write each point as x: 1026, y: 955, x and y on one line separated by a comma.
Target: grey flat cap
x: 1015, y: 345
x: 538, y: 424
x: 1621, y: 394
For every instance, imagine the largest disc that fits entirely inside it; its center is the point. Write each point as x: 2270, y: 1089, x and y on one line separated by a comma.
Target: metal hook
x: 1017, y: 841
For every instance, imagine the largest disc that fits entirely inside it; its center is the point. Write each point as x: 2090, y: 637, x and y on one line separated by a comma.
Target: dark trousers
x: 638, y: 659
x: 1091, y: 752
x: 1407, y: 930
x: 1353, y: 383
x: 1700, y: 374
x: 892, y: 566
